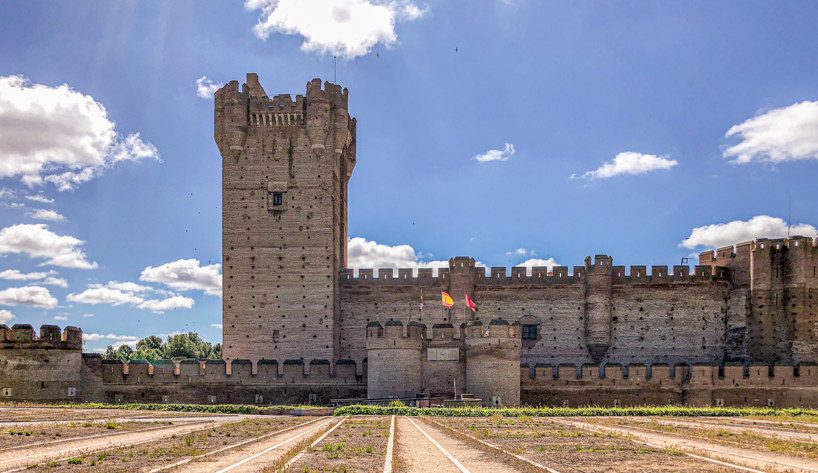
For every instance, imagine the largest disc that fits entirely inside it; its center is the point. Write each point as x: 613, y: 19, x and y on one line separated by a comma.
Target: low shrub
x: 572, y: 411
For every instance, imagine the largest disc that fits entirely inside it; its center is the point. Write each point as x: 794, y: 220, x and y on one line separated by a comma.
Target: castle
x: 298, y: 326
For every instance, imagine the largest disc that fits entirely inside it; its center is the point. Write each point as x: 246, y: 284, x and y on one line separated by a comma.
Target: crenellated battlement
x: 331, y: 93
x: 723, y: 256
x: 495, y: 329
x: 22, y: 336
x: 536, y: 276
x: 393, y: 329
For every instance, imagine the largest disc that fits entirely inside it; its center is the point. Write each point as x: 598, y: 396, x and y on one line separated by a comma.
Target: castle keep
x: 298, y: 326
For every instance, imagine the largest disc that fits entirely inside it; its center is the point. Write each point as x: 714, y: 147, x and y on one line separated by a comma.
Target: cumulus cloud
x: 212, y: 325
x: 719, y: 235
x: 497, y: 154
x: 47, y: 279
x: 119, y: 293
x: 59, y: 135
x: 40, y: 198
x: 120, y: 340
x: 536, y: 262
x: 104, y: 295
x: 629, y: 163
x: 29, y: 295
x: 16, y: 275
x: 37, y: 241
x: 5, y: 316
x: 777, y: 136
x: 346, y: 28
x: 60, y: 317
x: 175, y: 302
x: 205, y: 88
x: 365, y: 254
x: 6, y: 193
x: 130, y: 287
x: 520, y: 252
x: 52, y: 281
x: 186, y: 274
x: 43, y: 214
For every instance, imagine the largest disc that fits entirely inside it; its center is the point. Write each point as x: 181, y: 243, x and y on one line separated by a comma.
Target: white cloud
x: 59, y: 135
x: 92, y: 337
x: 5, y: 316
x: 205, y: 88
x: 365, y: 254
x: 130, y: 287
x: 104, y: 295
x: 43, y: 214
x: 40, y: 198
x: 118, y: 293
x: 186, y: 274
x: 777, y: 136
x: 52, y: 281
x: 175, y: 302
x: 60, y: 317
x: 346, y: 28
x: 719, y: 235
x: 38, y: 241
x: 15, y: 275
x: 6, y: 193
x: 29, y: 295
x: 534, y: 262
x: 497, y: 154
x: 130, y: 343
x: 216, y: 325
x: 520, y: 252
x: 629, y: 163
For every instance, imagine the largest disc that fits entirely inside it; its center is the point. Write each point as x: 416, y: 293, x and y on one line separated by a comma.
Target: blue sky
x: 511, y: 131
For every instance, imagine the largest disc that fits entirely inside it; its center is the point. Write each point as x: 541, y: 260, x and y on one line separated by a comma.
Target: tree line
x: 152, y: 348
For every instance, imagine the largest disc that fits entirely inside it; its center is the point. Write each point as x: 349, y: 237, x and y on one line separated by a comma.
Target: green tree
x: 152, y: 348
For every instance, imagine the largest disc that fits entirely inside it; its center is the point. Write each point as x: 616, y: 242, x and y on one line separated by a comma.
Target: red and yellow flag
x: 470, y: 304
x: 446, y: 299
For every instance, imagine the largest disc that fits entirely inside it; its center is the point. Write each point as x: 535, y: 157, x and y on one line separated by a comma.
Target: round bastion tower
x: 394, y: 361
x: 493, y: 362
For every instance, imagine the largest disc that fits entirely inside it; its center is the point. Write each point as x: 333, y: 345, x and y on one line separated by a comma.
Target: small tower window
x: 529, y: 332
x: 278, y: 198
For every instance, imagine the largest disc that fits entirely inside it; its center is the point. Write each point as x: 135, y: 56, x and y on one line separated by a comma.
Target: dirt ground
x: 562, y: 447
x: 359, y: 444
x: 104, y: 440
x: 142, y: 456
x: 34, y: 434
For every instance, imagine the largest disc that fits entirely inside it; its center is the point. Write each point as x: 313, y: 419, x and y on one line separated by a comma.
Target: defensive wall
x: 40, y: 368
x: 44, y: 368
x: 659, y: 316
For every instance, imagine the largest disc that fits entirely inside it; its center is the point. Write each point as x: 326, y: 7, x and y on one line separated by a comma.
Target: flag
x: 421, y: 300
x: 470, y: 304
x: 446, y: 299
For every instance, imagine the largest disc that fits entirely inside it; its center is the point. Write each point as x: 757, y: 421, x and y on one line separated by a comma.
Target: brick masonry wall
x: 281, y: 257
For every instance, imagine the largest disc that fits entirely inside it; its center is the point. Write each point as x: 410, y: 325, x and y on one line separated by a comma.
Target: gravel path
x: 424, y: 448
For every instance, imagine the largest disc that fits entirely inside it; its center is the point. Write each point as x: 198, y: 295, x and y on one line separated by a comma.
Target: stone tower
x: 285, y: 168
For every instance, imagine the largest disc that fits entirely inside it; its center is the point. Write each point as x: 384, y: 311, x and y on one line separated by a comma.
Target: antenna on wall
x: 789, y: 216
